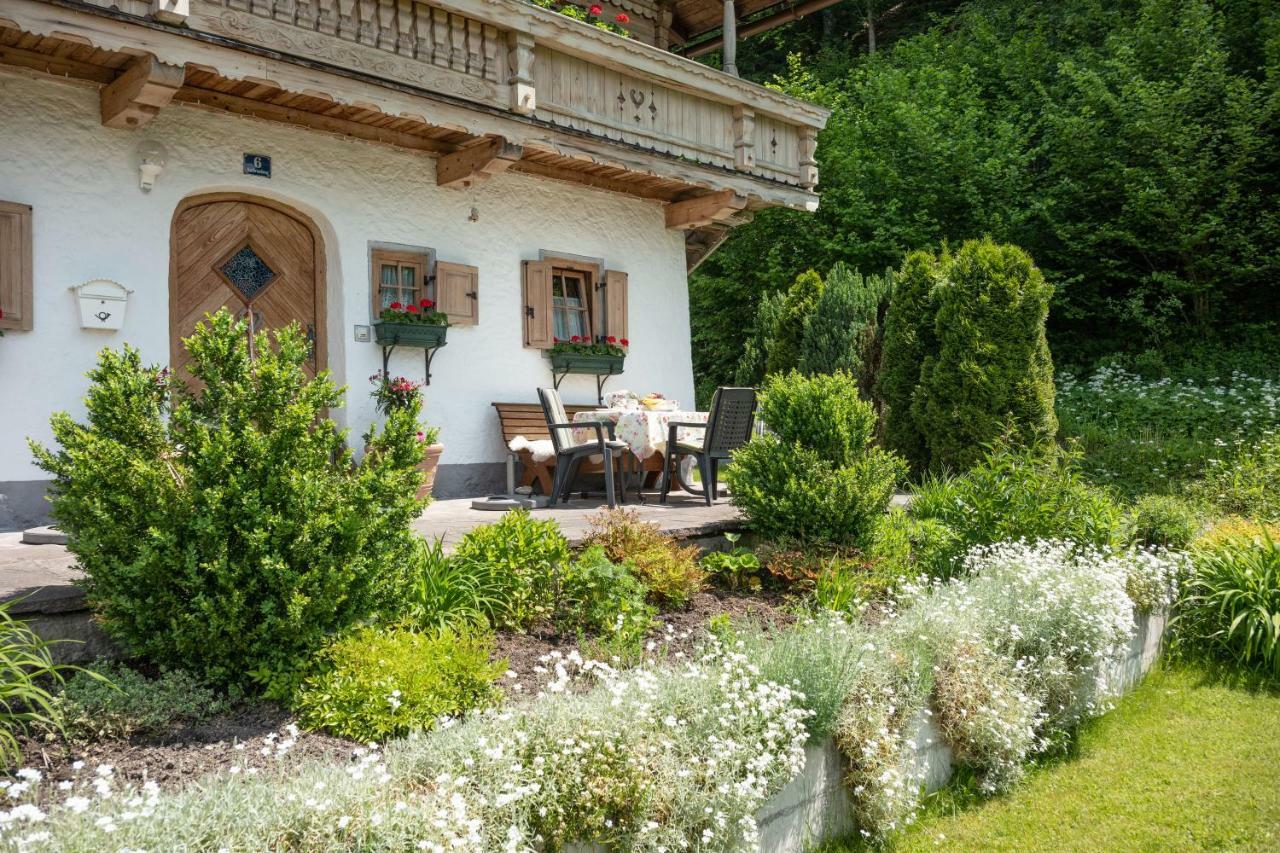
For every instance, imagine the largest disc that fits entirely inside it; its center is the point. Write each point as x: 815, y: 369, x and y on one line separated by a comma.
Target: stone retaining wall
x: 815, y: 806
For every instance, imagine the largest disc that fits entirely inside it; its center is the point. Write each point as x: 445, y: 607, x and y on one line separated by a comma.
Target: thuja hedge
x: 218, y: 517
x: 1008, y: 659
x: 966, y: 359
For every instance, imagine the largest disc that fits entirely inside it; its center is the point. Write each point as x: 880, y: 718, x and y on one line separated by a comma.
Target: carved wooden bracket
x: 520, y: 58
x: 473, y: 164
x: 136, y: 96
x: 704, y: 209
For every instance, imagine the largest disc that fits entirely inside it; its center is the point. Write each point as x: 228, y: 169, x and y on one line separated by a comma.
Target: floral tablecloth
x: 644, y: 431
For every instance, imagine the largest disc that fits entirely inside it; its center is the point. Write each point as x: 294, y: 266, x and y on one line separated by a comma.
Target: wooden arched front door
x: 253, y: 256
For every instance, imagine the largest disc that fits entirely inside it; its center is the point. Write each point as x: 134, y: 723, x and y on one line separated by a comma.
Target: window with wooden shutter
x: 16, y: 295
x: 614, y: 311
x: 397, y: 277
x: 458, y: 293
x: 537, y: 305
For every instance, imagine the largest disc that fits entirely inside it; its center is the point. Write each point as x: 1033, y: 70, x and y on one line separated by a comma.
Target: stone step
x: 48, y: 535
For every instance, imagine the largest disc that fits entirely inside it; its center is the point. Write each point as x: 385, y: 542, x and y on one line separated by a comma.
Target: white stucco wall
x: 92, y: 221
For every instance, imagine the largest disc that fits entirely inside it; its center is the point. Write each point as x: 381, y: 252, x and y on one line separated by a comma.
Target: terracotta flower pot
x: 430, y: 461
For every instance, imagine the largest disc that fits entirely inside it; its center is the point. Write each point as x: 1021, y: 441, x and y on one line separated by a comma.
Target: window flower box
x: 598, y: 364
x: 424, y: 335
x: 579, y: 355
x: 412, y: 325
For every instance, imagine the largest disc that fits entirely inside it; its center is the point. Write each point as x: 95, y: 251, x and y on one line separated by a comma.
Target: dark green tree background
x: 1132, y: 148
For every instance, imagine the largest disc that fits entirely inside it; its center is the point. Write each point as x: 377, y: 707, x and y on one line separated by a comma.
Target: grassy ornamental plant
x: 220, y: 522
x: 28, y: 677
x: 1231, y: 608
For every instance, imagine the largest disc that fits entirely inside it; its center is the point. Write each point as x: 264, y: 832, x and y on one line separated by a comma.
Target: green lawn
x: 1182, y: 764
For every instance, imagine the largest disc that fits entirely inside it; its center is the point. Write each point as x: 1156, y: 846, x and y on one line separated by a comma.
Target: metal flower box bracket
x: 601, y: 366
x: 427, y: 337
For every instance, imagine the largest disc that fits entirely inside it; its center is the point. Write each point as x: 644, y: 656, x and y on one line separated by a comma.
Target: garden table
x: 644, y: 431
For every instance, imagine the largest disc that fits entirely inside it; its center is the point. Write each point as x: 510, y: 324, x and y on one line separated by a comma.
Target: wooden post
x: 730, y: 64
x: 524, y: 99
x: 808, y: 157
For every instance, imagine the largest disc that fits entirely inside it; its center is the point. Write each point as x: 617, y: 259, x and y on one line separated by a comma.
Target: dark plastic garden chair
x: 569, y: 454
x: 729, y: 426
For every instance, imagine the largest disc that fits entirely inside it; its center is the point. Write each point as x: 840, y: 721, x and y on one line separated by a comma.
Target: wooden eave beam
x: 475, y: 163
x: 136, y: 96
x: 315, y: 121
x: 704, y: 210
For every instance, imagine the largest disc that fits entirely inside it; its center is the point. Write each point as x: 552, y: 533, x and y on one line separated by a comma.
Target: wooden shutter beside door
x: 537, y: 305
x: 458, y: 292
x: 615, y: 288
x: 15, y: 266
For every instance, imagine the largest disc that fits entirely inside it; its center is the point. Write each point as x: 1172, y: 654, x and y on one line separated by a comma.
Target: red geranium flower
x: 622, y: 18
x: 575, y: 339
x: 611, y: 339
x: 595, y: 10
x: 412, y: 309
x: 426, y: 303
x: 625, y: 342
x: 396, y: 306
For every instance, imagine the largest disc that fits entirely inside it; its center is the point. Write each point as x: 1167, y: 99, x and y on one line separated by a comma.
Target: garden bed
x: 262, y: 737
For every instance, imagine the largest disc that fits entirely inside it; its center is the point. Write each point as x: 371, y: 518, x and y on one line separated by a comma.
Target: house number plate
x: 257, y: 164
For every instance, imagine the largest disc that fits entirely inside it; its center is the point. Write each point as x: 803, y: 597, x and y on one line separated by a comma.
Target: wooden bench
x: 526, y: 419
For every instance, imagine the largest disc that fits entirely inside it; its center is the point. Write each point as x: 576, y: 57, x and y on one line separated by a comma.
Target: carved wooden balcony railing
x: 572, y: 89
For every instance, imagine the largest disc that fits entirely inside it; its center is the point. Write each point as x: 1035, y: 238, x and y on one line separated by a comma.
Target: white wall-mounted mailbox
x: 102, y: 303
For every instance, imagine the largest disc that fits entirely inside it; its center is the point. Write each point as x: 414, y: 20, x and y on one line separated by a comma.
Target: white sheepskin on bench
x: 541, y: 449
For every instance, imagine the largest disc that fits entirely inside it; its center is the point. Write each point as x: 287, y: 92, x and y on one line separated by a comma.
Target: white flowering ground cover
x: 1140, y: 435
x: 680, y: 756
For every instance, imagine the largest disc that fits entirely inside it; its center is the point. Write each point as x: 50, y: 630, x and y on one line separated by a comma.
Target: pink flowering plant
x: 401, y: 394
x: 579, y: 345
x: 594, y: 15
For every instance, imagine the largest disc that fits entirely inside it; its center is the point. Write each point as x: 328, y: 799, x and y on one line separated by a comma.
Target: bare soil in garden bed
x: 253, y: 738
x: 259, y: 737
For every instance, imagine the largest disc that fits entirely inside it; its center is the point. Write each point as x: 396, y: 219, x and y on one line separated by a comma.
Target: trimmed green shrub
x: 521, y: 561
x: 822, y: 413
x: 110, y: 700
x: 380, y: 683
x: 992, y: 374
x: 750, y: 367
x: 782, y: 346
x: 1231, y: 605
x: 669, y: 570
x: 845, y: 330
x: 815, y: 478
x: 27, y: 672
x: 221, y: 525
x: 1164, y: 521
x: 1015, y: 493
x: 909, y: 339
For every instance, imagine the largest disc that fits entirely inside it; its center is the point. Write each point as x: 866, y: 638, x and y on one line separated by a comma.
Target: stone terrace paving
x: 45, y: 575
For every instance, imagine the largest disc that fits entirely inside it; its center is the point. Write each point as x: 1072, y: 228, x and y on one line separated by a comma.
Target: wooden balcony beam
x: 475, y: 163
x: 704, y: 210
x: 136, y: 96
